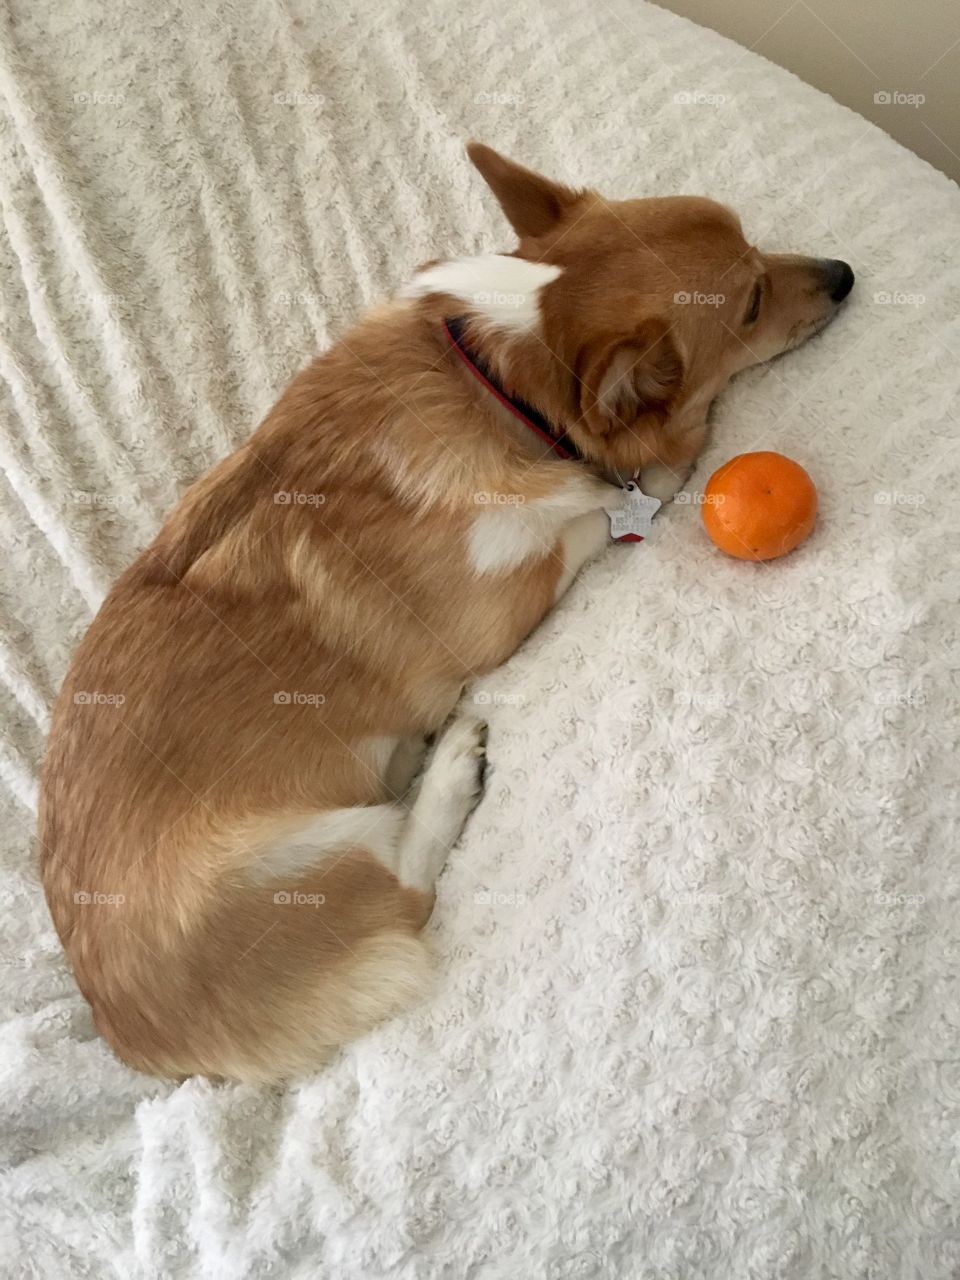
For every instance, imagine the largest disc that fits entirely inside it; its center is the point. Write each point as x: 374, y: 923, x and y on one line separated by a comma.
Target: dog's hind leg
x: 449, y: 790
x: 412, y: 843
x: 314, y: 935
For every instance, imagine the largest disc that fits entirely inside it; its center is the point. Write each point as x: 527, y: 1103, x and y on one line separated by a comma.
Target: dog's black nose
x: 838, y: 279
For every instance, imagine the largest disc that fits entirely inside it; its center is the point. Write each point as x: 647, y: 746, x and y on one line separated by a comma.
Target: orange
x: 759, y: 506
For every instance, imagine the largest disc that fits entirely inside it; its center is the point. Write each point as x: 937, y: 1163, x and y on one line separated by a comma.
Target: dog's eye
x: 755, y: 300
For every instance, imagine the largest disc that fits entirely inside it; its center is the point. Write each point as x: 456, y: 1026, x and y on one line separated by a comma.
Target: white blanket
x: 697, y: 1009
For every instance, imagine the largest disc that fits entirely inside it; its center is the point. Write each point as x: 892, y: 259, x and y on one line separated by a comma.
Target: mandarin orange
x: 759, y: 506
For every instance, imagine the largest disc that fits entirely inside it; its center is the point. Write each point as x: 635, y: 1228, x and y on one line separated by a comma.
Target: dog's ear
x: 625, y: 377
x: 533, y: 204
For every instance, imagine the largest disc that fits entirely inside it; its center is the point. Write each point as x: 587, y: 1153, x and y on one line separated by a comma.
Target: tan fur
x: 358, y: 594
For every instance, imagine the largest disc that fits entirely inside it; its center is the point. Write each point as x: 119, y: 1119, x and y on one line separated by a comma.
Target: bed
x: 698, y: 952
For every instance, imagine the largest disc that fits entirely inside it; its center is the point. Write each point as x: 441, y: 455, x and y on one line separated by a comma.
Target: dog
x: 234, y: 850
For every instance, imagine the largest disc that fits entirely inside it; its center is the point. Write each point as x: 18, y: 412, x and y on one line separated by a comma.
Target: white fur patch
x: 502, y: 540
x: 374, y: 827
x: 582, y: 539
x: 504, y: 534
x: 505, y: 290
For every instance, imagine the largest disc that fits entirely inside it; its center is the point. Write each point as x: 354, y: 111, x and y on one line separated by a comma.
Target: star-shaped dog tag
x: 630, y: 522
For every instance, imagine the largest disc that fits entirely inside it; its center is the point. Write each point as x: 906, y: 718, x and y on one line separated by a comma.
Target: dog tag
x: 630, y: 522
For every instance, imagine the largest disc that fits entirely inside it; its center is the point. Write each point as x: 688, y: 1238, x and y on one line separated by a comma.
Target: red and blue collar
x: 558, y: 440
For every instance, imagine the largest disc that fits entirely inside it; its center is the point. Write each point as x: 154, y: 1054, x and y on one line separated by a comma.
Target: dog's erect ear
x: 533, y: 204
x: 625, y: 377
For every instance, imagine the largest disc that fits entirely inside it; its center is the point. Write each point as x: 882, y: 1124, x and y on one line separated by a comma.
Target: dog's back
x: 239, y: 692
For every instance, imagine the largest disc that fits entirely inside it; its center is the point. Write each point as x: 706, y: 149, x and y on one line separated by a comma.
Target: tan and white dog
x: 233, y: 854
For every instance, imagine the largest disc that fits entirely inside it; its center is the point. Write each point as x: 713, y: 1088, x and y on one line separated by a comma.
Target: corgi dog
x: 239, y: 838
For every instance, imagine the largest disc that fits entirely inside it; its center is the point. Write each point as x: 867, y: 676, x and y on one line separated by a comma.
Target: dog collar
x: 629, y: 522
x: 558, y: 440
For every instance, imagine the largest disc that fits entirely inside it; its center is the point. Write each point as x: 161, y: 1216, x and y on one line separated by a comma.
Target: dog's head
x: 656, y: 303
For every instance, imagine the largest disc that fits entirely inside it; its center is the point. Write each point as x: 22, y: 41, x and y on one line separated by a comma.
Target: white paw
x: 453, y: 782
x: 663, y: 482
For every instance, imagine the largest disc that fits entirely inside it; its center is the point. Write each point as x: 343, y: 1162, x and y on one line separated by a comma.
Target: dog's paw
x: 663, y: 482
x: 457, y: 770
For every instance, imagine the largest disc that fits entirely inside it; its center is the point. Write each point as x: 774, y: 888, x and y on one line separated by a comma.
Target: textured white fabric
x: 697, y: 1010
